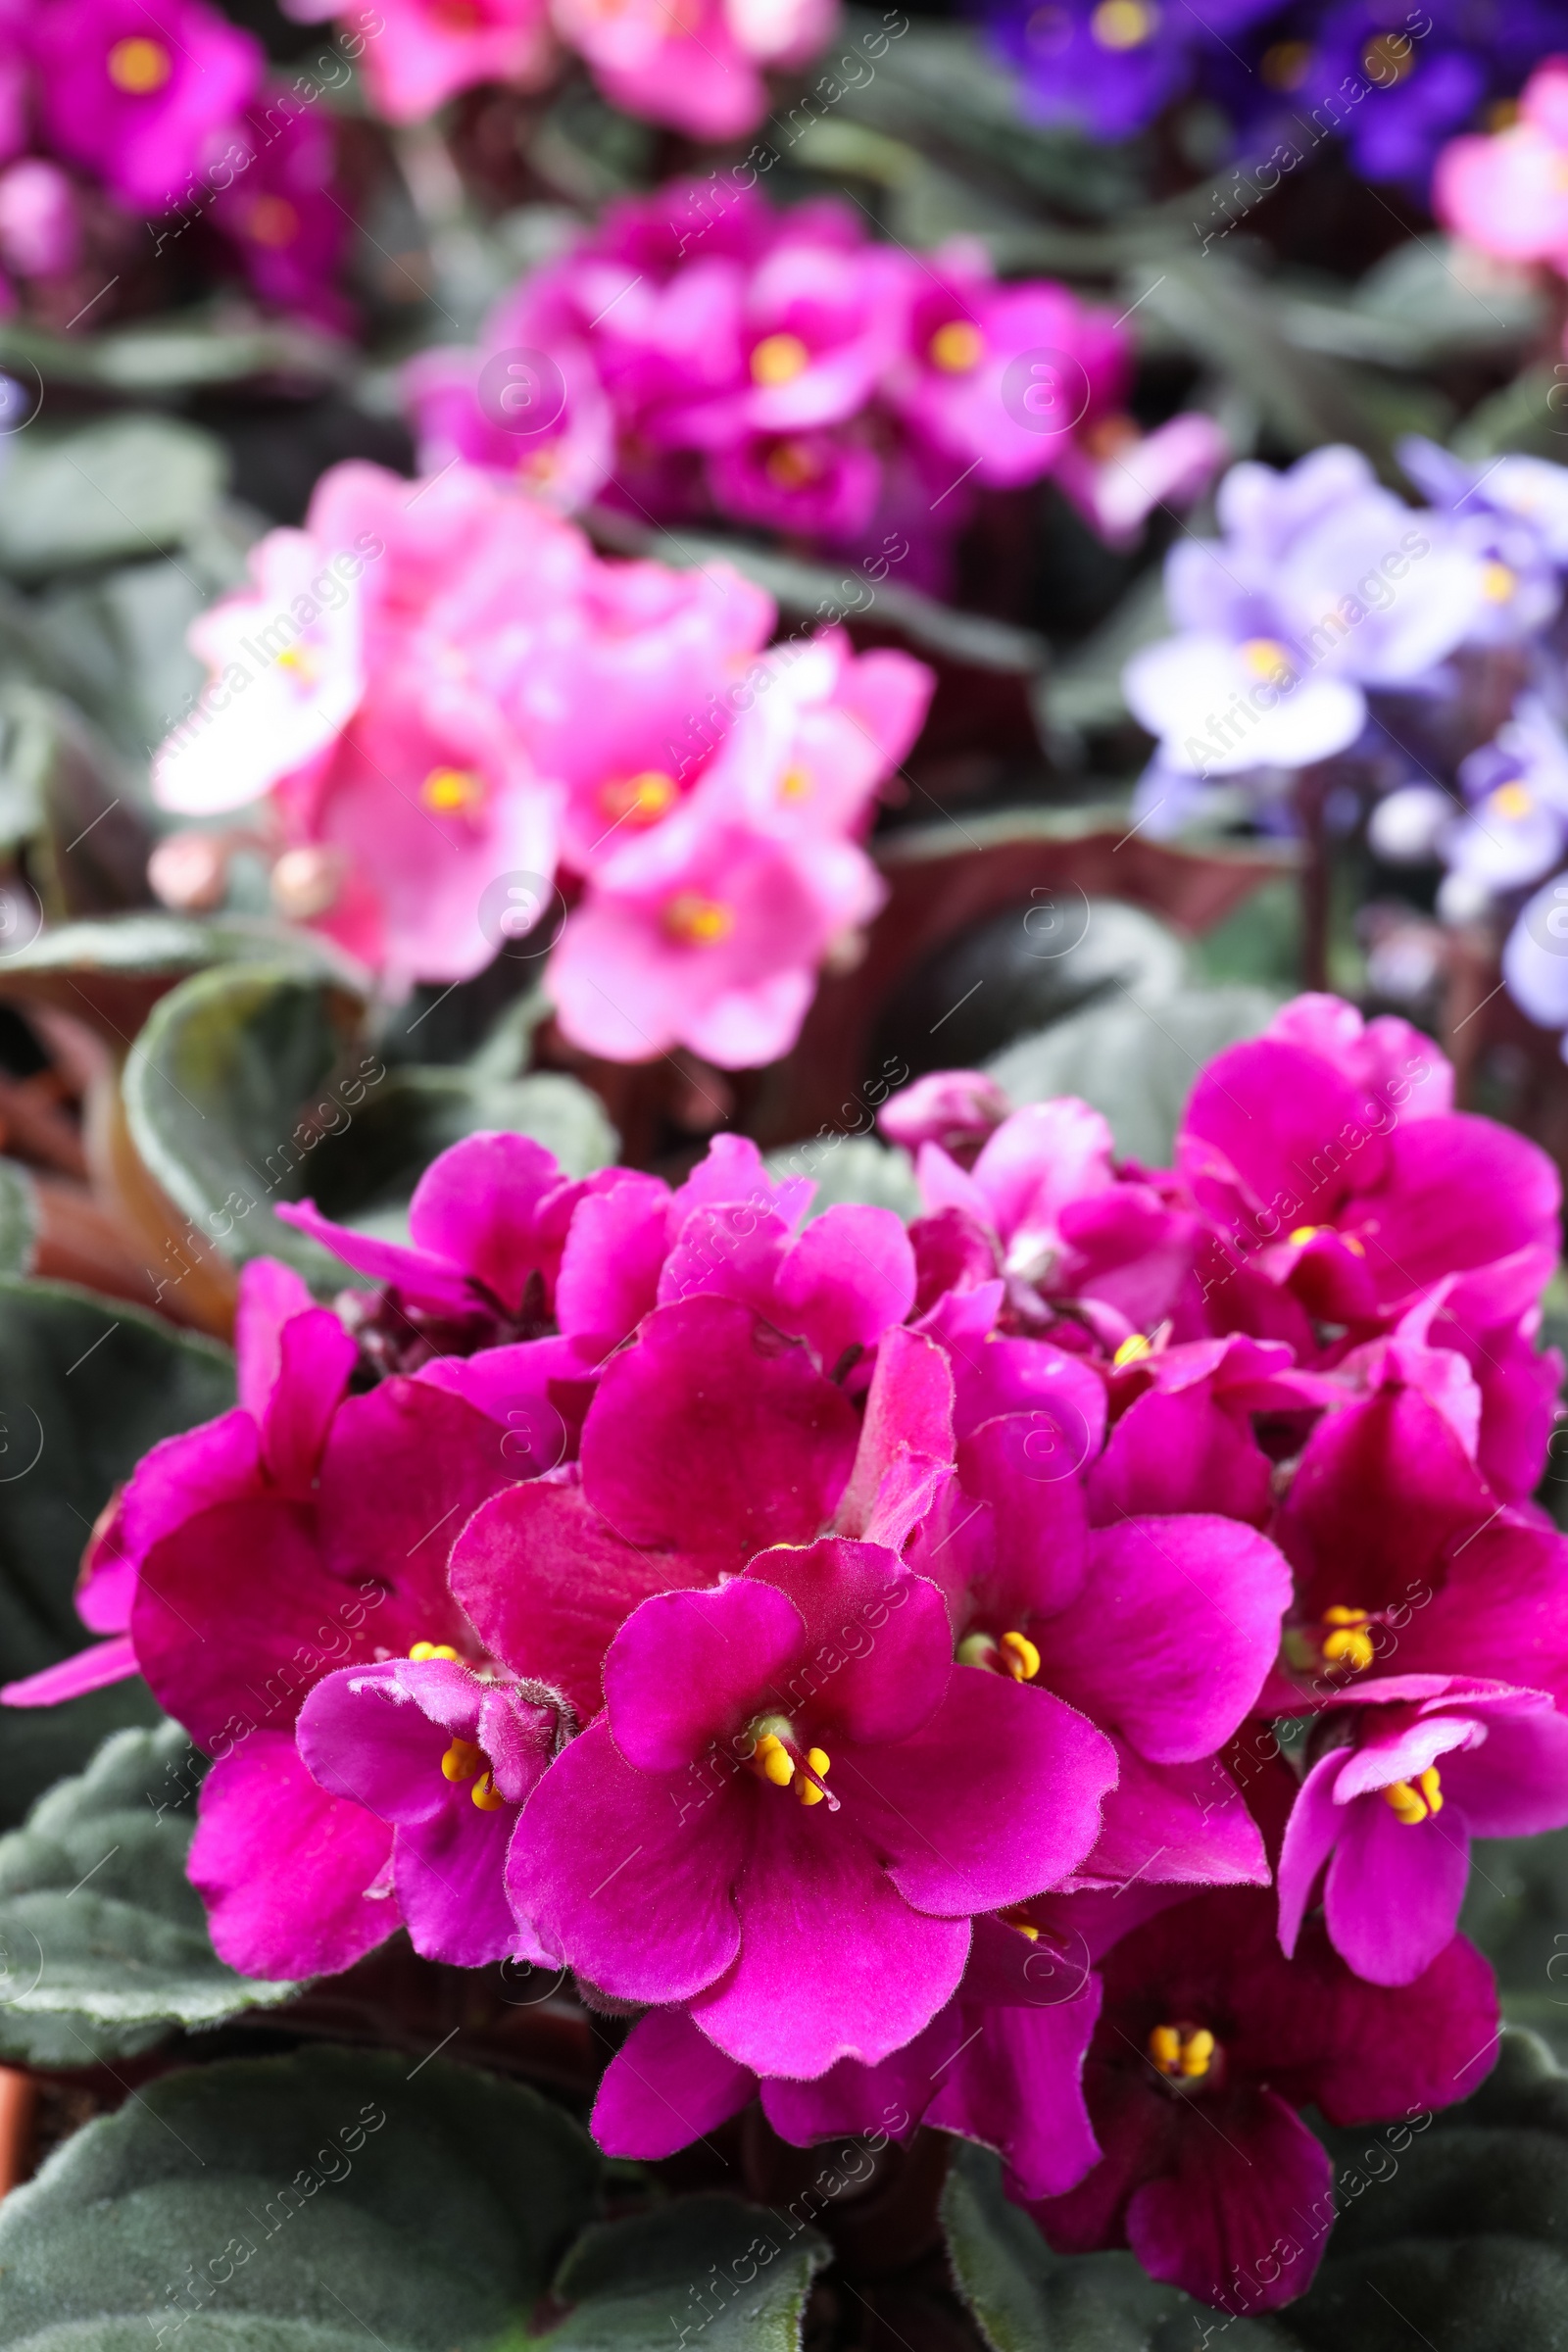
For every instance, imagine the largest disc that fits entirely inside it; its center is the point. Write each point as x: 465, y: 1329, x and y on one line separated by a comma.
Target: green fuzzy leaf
x: 852, y: 1169
x: 252, y: 1085
x: 737, y: 2274
x: 1026, y: 2299
x: 19, y: 1217
x: 104, y: 1949
x: 112, y: 492
x: 299, y: 2204
x: 1134, y: 1060
x: 86, y: 1387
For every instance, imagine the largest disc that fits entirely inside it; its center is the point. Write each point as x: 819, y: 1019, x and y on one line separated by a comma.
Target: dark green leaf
x: 300, y: 2204
x: 252, y: 1085
x: 738, y: 2274
x: 104, y: 1947
x: 853, y: 1169
x: 222, y: 1089
x: 1027, y: 2299
x: 87, y: 1386
x: 112, y: 492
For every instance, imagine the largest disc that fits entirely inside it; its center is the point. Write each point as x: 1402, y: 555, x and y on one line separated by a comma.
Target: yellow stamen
x: 461, y: 1760
x: 698, y: 922
x: 303, y: 659
x: 1407, y: 1802
x: 452, y: 791
x: 1349, y: 1643
x: 807, y: 1791
x: 1389, y: 59
x: 1182, y: 2051
x: 1430, y: 1787
x: 640, y: 799
x: 957, y: 347
x: 797, y: 784
x: 1498, y: 582
x: 1302, y: 1235
x: 774, y: 1761
x: 1286, y: 66
x: 1264, y: 656
x: 820, y: 1761
x: 1511, y: 800
x: 1021, y: 1655
x: 1130, y: 1350
x: 793, y: 466
x: 432, y: 1650
x: 272, y: 222
x: 1123, y: 23
x: 779, y: 359
x: 138, y: 66
x: 485, y: 1794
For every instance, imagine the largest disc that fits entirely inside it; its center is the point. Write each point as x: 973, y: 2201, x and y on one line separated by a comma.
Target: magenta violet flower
x: 1208, y: 2042
x: 1413, y: 1766
x: 749, y: 1856
x: 448, y: 1756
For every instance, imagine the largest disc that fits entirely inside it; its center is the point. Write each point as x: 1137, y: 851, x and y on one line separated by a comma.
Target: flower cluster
x: 111, y: 117
x: 852, y: 1648
x: 700, y: 352
x: 698, y: 67
x: 446, y: 698
x: 1393, y: 81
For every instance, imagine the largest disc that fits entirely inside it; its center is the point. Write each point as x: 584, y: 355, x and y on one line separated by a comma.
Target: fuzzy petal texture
x: 284, y: 1868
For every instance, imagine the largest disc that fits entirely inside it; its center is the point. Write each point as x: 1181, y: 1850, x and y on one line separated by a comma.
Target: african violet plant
x: 1034, y: 1672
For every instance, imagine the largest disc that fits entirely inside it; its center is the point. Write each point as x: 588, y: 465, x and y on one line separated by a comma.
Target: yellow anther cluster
x: 465, y: 1760
x: 779, y: 359
x: 1185, y: 2052
x: 1416, y: 1800
x: 1264, y: 656
x: 1019, y: 1656
x: 775, y: 1763
x: 1131, y: 1350
x: 1497, y: 582
x: 432, y: 1650
x: 1124, y: 23
x: 957, y: 347
x: 1511, y: 801
x: 452, y: 791
x: 1349, y: 1641
x: 698, y: 922
x: 138, y: 66
x: 640, y: 799
x: 461, y: 1760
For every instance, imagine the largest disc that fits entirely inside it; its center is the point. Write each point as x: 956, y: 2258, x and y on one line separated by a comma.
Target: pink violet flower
x: 426, y: 52
x: 1415, y: 1765
x: 141, y: 100
x: 752, y: 1859
x: 40, y: 220
x: 449, y: 1758
x: 293, y: 1875
x: 1002, y: 2064
x: 1508, y: 193
x: 965, y: 382
x: 1325, y: 1184
x: 1208, y: 2042
x: 1402, y: 1555
x: 957, y: 1109
x: 708, y: 936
